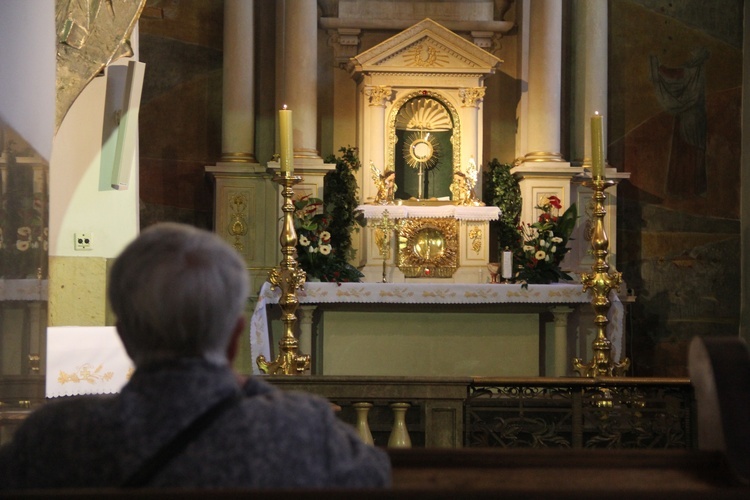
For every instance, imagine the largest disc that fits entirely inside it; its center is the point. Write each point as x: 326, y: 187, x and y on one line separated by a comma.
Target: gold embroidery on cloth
x: 84, y: 373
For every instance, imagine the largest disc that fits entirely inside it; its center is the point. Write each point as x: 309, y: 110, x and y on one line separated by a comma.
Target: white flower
x: 550, y: 234
x: 325, y: 236
x: 24, y: 232
x: 553, y: 249
x: 304, y: 241
x: 556, y: 239
x: 325, y: 249
x: 543, y: 243
x: 22, y: 245
x: 311, y: 249
x: 528, y: 248
x: 540, y: 255
x: 548, y: 258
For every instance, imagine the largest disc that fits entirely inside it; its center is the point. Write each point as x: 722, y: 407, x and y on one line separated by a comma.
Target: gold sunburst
x: 421, y: 150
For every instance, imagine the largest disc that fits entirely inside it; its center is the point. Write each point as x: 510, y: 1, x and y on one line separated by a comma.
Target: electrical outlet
x: 83, y: 241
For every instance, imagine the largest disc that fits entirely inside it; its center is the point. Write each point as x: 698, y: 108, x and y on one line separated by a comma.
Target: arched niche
x: 424, y: 144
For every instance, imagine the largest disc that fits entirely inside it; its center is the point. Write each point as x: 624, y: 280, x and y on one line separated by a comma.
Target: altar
x: 429, y: 329
x: 430, y: 242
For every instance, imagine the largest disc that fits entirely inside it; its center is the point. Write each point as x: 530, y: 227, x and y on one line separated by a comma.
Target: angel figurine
x: 385, y: 183
x: 462, y: 187
x: 460, y: 192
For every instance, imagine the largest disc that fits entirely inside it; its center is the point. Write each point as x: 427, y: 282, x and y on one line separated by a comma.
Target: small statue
x: 462, y: 187
x: 386, y: 185
x: 460, y: 192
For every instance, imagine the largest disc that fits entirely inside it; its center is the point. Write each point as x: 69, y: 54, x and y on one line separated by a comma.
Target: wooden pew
x: 500, y: 473
x: 566, y: 473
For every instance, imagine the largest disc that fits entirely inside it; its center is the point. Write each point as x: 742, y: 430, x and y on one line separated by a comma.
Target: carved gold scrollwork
x: 378, y: 95
x: 238, y: 221
x: 424, y: 56
x: 475, y: 235
x: 471, y: 96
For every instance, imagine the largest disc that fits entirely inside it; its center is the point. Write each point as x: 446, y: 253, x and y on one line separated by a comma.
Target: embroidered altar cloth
x: 85, y: 360
x: 431, y: 211
x: 429, y: 293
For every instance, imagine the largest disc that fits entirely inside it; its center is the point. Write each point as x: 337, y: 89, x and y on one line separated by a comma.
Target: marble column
x: 238, y: 113
x: 471, y: 99
x: 590, y: 30
x: 545, y: 77
x: 298, y: 74
x: 561, y: 361
x: 305, y: 315
x: 377, y: 96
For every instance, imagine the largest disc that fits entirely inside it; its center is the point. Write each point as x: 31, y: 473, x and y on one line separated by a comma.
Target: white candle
x: 597, y: 148
x: 286, y: 142
x: 507, y: 264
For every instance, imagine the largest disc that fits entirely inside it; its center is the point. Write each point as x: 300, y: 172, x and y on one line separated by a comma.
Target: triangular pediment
x: 426, y: 47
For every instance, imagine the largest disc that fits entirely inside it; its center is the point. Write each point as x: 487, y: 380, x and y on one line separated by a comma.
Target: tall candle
x: 597, y: 148
x: 286, y: 141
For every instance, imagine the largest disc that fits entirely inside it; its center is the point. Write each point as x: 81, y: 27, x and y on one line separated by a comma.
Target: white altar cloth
x: 432, y: 211
x: 429, y: 293
x: 85, y: 360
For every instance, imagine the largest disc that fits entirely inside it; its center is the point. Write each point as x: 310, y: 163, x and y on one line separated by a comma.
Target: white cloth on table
x: 431, y: 211
x: 428, y: 293
x: 85, y: 360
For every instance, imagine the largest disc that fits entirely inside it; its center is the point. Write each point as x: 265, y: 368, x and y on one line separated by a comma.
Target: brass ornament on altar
x: 428, y: 248
x: 601, y: 282
x: 383, y: 230
x: 289, y: 277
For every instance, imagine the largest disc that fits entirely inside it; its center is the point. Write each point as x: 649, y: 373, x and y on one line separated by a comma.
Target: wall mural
x: 675, y: 93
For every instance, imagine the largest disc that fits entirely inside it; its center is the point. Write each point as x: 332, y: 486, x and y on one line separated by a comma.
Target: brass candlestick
x: 601, y: 282
x: 289, y: 277
x: 383, y: 238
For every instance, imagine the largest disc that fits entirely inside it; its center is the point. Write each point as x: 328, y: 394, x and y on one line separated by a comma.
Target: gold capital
x: 378, y: 95
x: 471, y: 96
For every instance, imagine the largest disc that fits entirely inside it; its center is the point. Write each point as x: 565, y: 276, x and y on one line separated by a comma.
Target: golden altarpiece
x: 420, y: 102
x: 419, y: 120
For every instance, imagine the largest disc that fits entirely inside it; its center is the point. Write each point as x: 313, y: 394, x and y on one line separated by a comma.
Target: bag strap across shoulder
x: 156, y: 462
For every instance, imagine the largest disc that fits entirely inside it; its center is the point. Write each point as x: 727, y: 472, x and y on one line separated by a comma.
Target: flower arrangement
x: 543, y: 244
x: 316, y: 252
x: 324, y: 227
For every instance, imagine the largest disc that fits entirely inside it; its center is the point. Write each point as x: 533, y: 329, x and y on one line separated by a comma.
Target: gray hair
x: 178, y: 292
